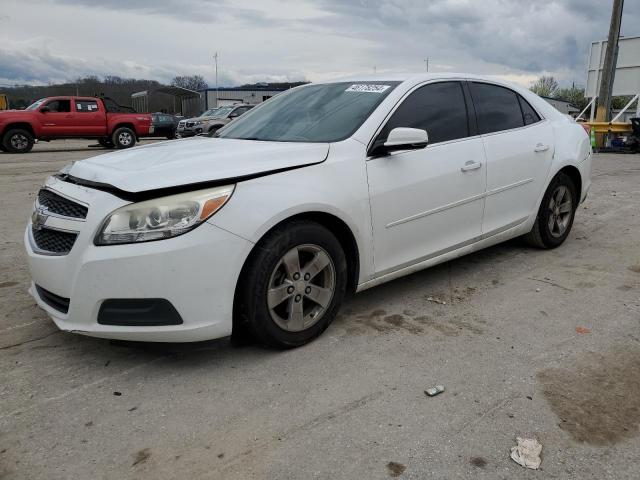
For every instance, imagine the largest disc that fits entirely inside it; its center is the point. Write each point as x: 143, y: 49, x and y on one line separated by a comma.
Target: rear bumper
x: 585, y: 173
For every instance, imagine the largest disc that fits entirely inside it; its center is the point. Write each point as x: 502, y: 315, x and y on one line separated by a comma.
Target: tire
x: 18, y: 140
x: 555, y: 219
x: 106, y: 143
x: 275, y: 319
x: 212, y: 131
x: 2, y: 147
x: 123, y: 137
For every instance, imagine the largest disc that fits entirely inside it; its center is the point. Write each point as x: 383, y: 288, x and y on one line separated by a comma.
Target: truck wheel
x: 2, y: 147
x: 18, y: 140
x: 123, y: 137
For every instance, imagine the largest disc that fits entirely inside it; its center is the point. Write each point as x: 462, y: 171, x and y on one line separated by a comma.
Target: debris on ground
x: 395, y: 469
x: 436, y: 300
x: 433, y: 391
x: 527, y: 453
x: 582, y: 330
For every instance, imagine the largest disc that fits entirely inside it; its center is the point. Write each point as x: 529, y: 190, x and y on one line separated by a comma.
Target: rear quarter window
x: 497, y: 108
x: 86, y: 106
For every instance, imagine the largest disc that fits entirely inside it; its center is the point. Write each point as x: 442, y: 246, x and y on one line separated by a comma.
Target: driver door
x: 428, y: 202
x: 58, y: 121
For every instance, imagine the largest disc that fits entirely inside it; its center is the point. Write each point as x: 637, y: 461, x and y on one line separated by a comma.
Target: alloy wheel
x: 124, y: 138
x: 560, y: 210
x: 301, y: 287
x: 19, y: 141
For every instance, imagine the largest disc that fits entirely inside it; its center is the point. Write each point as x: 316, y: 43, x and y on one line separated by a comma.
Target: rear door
x: 519, y: 147
x: 427, y: 202
x: 58, y: 120
x: 89, y: 119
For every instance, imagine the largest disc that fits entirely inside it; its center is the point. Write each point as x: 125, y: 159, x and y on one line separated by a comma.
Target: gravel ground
x: 526, y: 342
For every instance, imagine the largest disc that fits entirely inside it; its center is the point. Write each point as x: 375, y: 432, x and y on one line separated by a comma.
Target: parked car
x: 327, y: 189
x: 70, y: 117
x: 164, y: 125
x: 211, y: 121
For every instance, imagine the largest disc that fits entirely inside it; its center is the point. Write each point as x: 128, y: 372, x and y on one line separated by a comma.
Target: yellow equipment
x: 4, y: 102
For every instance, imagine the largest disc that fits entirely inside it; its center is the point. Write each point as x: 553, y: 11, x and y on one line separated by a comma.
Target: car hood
x: 192, y: 161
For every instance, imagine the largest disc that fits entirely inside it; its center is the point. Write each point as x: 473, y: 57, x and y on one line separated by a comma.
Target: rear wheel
x: 123, y: 137
x: 293, y: 285
x: 18, y: 140
x: 556, y: 214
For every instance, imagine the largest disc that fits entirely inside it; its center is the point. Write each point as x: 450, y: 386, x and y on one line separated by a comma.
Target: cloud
x: 271, y: 40
x: 31, y: 61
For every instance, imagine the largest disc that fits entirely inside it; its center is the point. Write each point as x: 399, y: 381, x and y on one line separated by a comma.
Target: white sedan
x: 326, y: 189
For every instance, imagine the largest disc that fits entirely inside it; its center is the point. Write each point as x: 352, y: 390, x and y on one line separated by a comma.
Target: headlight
x: 162, y: 217
x: 199, y: 122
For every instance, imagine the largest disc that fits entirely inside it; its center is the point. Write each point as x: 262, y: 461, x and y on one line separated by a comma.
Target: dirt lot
x: 526, y: 342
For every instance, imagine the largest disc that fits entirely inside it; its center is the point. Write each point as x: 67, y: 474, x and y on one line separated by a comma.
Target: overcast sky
x: 288, y: 40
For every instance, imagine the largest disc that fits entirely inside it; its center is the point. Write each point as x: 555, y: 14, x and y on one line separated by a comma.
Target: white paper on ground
x: 527, y: 453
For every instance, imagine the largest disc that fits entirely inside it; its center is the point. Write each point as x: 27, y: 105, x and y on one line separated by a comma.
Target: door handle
x: 470, y: 165
x: 541, y: 147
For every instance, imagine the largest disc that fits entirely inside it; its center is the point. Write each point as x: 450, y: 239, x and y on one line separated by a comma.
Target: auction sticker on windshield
x: 367, y: 88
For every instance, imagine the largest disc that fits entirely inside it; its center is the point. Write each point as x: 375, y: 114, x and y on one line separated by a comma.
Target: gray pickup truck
x: 211, y: 120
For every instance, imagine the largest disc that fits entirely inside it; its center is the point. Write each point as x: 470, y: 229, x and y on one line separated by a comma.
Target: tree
x: 191, y: 82
x: 545, y: 86
x: 573, y: 95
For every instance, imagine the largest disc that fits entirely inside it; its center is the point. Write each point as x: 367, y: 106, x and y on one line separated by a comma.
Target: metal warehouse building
x: 230, y: 96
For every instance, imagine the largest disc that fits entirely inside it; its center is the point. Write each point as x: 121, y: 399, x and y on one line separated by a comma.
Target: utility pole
x: 609, y: 68
x: 426, y: 62
x: 215, y: 59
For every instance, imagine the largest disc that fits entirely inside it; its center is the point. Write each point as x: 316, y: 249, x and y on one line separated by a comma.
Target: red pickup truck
x: 71, y: 117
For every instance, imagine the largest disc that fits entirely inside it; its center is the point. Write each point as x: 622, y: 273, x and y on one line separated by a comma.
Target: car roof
x: 419, y: 77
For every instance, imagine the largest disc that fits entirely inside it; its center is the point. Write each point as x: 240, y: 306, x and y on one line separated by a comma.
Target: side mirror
x: 44, y: 110
x: 234, y: 115
x: 406, y: 139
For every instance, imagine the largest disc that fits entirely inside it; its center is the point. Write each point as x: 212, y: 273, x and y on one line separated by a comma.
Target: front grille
x: 54, y: 301
x: 60, y: 205
x: 54, y: 241
x: 190, y: 124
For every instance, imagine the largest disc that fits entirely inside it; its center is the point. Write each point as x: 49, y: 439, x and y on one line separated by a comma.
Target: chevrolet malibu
x: 324, y: 190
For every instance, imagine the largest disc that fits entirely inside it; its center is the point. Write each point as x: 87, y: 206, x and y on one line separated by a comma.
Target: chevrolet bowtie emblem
x: 39, y: 218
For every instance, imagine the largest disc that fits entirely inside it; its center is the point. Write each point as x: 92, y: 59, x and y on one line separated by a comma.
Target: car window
x: 528, y: 113
x: 497, y: 108
x: 327, y: 112
x: 438, y: 108
x: 59, y: 105
x: 86, y: 106
x: 166, y: 119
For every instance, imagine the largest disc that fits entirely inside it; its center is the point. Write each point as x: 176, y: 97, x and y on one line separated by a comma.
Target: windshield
x: 313, y: 113
x: 209, y: 113
x: 218, y: 112
x: 36, y: 104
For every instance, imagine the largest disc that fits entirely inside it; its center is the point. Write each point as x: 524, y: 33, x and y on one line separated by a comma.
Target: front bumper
x: 196, y: 272
x: 188, y: 132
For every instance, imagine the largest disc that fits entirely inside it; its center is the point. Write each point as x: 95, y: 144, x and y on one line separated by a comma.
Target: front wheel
x: 123, y: 137
x: 293, y: 284
x: 18, y: 140
x: 556, y: 214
